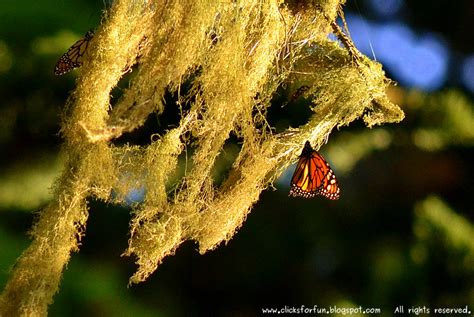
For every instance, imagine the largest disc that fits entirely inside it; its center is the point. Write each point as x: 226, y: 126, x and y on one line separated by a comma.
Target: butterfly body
x: 313, y: 176
x: 73, y: 57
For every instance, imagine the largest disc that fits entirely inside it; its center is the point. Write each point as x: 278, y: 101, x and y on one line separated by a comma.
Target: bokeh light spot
x: 414, y: 61
x: 386, y: 8
x: 467, y: 74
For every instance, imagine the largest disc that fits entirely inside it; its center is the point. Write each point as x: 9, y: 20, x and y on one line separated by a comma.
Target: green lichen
x: 235, y: 54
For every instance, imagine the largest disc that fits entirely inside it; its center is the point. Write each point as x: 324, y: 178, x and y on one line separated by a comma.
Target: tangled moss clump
x: 241, y: 49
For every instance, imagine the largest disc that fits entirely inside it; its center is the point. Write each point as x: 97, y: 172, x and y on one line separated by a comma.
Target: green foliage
x: 258, y: 46
x: 440, y: 230
x: 26, y: 185
x: 100, y: 292
x: 447, y: 119
x: 437, y: 222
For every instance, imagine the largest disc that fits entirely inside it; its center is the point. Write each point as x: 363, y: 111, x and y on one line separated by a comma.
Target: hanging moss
x: 238, y: 53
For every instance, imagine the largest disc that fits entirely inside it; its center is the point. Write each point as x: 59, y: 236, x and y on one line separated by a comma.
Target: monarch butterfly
x: 73, y: 57
x: 313, y: 176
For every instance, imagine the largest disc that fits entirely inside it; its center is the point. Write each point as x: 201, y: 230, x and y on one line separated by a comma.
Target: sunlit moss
x: 258, y: 45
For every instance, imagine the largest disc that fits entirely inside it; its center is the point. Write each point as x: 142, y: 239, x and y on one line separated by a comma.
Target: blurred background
x: 402, y: 232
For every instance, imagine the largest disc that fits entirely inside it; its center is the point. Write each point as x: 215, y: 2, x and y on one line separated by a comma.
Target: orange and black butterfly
x: 73, y: 57
x: 313, y: 176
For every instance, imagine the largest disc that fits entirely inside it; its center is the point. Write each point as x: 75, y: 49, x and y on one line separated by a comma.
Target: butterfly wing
x: 73, y: 57
x: 302, y: 184
x: 326, y: 179
x: 313, y: 176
